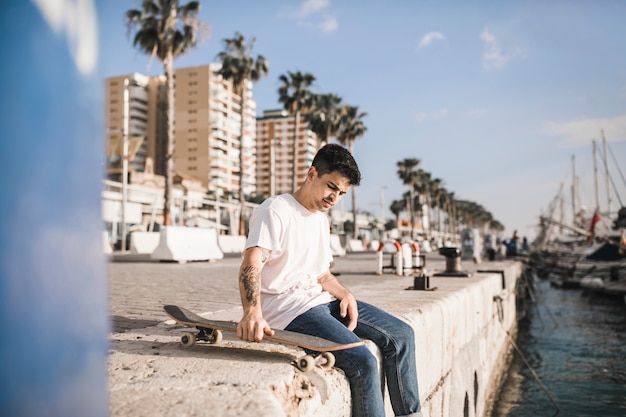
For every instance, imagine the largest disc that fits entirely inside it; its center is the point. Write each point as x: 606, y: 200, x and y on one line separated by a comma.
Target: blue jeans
x: 397, y: 342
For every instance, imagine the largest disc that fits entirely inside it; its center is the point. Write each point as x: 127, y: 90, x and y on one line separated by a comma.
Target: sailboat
x: 589, y: 251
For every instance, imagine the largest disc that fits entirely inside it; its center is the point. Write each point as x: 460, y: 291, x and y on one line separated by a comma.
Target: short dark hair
x: 333, y: 157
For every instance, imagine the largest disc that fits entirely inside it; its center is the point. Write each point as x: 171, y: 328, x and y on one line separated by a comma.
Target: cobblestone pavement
x: 139, y: 287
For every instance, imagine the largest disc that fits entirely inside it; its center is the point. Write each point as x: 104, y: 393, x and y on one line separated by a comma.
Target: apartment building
x: 132, y: 110
x: 208, y: 126
x: 275, y: 157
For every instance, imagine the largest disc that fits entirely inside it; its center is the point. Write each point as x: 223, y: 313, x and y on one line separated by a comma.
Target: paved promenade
x: 139, y: 287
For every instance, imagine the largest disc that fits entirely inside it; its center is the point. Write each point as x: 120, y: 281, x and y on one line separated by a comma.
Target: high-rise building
x: 208, y: 125
x: 275, y: 156
x: 131, y: 110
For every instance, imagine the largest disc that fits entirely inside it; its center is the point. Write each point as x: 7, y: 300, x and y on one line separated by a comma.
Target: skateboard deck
x: 211, y: 331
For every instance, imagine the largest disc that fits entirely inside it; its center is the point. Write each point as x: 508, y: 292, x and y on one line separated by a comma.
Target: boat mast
x: 561, y: 208
x: 606, y: 175
x: 573, y: 189
x: 595, y: 176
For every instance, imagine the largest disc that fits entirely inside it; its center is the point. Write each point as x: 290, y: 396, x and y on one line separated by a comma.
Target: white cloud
x: 581, y: 132
x: 330, y: 24
x: 419, y: 117
x: 309, y: 7
x: 434, y: 115
x: 476, y: 112
x: 312, y: 14
x: 497, y: 54
x: 429, y: 38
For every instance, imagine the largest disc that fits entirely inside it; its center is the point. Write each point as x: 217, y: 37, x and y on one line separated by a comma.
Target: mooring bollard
x: 453, y: 262
x: 453, y: 258
x: 396, y: 257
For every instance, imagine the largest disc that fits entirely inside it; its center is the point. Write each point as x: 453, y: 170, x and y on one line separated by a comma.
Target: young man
x: 285, y: 283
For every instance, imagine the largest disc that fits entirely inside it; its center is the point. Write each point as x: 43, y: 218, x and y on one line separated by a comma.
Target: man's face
x: 326, y: 190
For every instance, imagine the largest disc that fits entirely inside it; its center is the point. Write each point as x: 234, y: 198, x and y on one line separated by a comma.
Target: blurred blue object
x: 53, y: 289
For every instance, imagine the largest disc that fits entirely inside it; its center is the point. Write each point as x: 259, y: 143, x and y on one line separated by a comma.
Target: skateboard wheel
x: 328, y: 360
x: 306, y: 363
x: 188, y: 339
x: 216, y: 337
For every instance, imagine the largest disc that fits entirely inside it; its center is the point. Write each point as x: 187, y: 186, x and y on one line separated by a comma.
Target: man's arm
x: 252, y: 326
x: 347, y: 305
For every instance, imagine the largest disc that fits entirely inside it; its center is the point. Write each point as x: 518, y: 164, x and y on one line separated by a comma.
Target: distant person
x: 490, y: 249
x: 285, y: 283
x: 525, y: 247
x: 512, y: 244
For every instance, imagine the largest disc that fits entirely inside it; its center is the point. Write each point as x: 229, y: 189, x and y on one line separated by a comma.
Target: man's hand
x: 348, y: 307
x: 253, y: 327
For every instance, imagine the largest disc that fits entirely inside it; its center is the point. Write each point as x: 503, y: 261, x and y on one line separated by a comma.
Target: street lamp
x: 382, y: 211
x: 382, y: 203
x: 272, y: 172
x: 124, y: 158
x: 125, y: 161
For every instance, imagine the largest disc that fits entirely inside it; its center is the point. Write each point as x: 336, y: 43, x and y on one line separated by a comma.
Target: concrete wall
x: 461, y: 337
x: 467, y: 344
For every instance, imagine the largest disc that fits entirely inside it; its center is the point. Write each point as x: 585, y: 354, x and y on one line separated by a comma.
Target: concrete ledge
x: 232, y: 379
x: 462, y: 350
x: 182, y: 244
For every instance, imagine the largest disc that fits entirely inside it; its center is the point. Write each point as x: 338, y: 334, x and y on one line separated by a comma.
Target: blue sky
x: 493, y: 97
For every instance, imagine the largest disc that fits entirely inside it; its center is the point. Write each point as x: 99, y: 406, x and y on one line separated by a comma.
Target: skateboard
x: 211, y: 331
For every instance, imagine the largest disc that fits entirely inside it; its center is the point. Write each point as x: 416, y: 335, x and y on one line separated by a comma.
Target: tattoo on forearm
x: 249, y: 279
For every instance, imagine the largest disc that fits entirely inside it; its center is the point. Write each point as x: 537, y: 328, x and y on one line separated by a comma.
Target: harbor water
x: 573, y: 357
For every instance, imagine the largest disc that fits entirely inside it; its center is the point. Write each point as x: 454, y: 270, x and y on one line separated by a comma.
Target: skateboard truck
x: 210, y: 336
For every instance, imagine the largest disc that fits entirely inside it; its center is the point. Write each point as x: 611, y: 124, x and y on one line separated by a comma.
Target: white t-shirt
x: 299, y: 245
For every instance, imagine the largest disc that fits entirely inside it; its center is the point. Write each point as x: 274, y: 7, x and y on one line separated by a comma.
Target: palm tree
x: 351, y: 127
x: 241, y: 68
x: 295, y: 94
x: 165, y: 29
x: 397, y: 207
x: 436, y: 186
x: 422, y: 187
x: 408, y: 173
x: 324, y: 117
x: 453, y: 219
